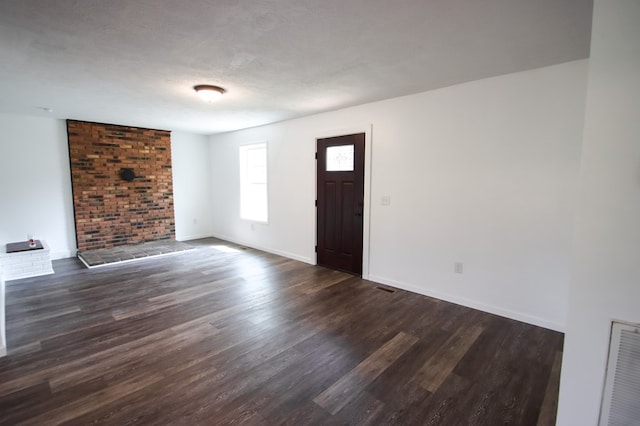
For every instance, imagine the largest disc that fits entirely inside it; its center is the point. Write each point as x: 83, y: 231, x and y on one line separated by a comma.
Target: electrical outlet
x: 386, y: 200
x: 195, y: 221
x: 457, y: 267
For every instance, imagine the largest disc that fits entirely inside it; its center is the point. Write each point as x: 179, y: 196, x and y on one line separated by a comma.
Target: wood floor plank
x: 436, y: 370
x: 347, y: 388
x: 444, y: 407
x: 547, y: 416
x: 226, y: 334
x: 360, y: 411
x: 46, y: 402
x: 94, y: 400
x: 97, y: 363
x: 403, y: 375
x: 49, y: 314
x: 15, y: 402
x: 321, y: 361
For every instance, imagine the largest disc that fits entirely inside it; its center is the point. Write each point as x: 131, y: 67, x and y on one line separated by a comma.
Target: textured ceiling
x: 134, y: 62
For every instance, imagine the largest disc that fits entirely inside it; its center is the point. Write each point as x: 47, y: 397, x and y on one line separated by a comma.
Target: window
x: 253, y: 182
x: 340, y: 158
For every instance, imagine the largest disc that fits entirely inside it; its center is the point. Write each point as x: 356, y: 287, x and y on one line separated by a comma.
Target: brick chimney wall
x: 109, y: 211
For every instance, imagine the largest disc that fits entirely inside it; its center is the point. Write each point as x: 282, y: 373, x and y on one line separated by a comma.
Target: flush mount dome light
x: 209, y: 93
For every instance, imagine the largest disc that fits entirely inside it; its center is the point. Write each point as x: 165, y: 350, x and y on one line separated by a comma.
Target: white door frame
x: 367, y: 129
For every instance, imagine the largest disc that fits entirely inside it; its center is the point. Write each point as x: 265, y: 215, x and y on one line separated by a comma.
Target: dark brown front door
x: 340, y: 202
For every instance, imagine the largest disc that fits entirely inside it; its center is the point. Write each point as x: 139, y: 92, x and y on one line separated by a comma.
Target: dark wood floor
x: 244, y: 337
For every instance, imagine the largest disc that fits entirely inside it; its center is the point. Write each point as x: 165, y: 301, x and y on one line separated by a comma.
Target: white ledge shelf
x: 25, y: 264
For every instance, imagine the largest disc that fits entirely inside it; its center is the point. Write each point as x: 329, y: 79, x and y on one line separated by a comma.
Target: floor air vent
x: 620, y: 401
x: 388, y: 290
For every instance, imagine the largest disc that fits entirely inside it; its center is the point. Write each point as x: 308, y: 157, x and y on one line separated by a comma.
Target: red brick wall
x: 109, y: 211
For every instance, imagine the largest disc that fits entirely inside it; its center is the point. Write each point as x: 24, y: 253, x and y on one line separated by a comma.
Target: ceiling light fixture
x: 209, y: 93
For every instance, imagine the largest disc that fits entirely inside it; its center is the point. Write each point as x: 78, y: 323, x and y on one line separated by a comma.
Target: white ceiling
x: 134, y: 62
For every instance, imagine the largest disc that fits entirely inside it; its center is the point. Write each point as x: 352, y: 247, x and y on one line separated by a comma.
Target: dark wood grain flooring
x: 227, y: 335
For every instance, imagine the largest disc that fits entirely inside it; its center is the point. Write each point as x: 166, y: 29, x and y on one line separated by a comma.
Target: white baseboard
x: 63, y: 254
x: 266, y: 249
x: 184, y: 238
x: 507, y: 313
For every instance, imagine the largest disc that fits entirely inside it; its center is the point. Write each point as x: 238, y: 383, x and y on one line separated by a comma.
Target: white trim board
x: 507, y: 313
x: 265, y: 249
x: 367, y: 129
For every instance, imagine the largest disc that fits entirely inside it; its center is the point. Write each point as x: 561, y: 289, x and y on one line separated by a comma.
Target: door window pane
x: 340, y: 158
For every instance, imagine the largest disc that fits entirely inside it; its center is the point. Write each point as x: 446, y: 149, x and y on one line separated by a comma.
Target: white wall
x: 483, y: 173
x: 291, y: 192
x: 191, y: 185
x: 35, y: 183
x: 606, y: 264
